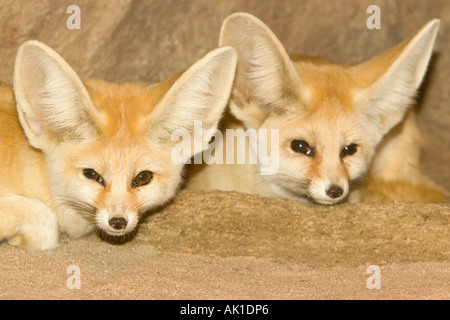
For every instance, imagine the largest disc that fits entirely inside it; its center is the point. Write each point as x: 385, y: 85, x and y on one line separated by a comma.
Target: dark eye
x: 142, y: 178
x: 91, y: 174
x: 303, y: 147
x: 349, y: 150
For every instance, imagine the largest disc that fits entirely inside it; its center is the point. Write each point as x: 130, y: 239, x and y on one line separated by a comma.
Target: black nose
x: 335, y: 192
x: 118, y: 223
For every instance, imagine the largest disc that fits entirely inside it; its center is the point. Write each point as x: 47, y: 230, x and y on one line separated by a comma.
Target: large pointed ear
x: 393, y: 78
x: 198, y: 96
x: 266, y: 78
x: 52, y: 102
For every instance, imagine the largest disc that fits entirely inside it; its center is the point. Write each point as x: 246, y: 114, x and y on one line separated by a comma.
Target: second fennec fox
x: 346, y: 132
x: 77, y: 156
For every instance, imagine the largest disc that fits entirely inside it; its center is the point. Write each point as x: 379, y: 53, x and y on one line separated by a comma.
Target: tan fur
x: 330, y: 105
x: 62, y: 126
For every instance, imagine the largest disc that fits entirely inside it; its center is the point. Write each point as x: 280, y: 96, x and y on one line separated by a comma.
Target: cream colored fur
x: 329, y: 105
x: 62, y: 126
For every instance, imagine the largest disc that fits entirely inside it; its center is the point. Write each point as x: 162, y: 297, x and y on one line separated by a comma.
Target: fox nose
x: 118, y: 223
x: 334, y: 192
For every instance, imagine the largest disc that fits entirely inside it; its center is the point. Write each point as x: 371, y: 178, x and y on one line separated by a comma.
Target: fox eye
x: 142, y: 178
x: 300, y: 146
x: 349, y: 150
x: 91, y: 174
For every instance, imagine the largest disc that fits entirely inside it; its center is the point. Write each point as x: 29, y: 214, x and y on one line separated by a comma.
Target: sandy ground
x: 235, y: 246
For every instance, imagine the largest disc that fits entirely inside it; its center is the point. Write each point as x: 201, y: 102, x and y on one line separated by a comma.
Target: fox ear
x: 52, y: 103
x: 266, y: 78
x: 393, y: 78
x: 200, y: 94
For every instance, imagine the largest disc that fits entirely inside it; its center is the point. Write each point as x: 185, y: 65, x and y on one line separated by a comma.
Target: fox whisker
x: 87, y: 210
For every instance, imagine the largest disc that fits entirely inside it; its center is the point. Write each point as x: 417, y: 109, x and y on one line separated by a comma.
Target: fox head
x: 108, y: 146
x: 330, y: 116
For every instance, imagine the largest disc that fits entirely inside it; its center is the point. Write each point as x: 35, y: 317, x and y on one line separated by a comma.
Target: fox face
x: 108, y: 146
x: 331, y: 116
x: 122, y: 172
x: 321, y: 155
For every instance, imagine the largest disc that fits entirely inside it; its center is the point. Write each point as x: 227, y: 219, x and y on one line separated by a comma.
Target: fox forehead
x: 123, y: 144
x: 326, y: 84
x: 126, y: 107
x: 334, y: 84
x: 323, y: 127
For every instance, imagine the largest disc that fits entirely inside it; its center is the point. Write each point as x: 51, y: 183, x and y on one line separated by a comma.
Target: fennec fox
x: 345, y: 132
x: 78, y: 156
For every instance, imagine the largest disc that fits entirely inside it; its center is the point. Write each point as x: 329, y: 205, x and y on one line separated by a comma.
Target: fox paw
x: 28, y: 224
x: 34, y: 242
